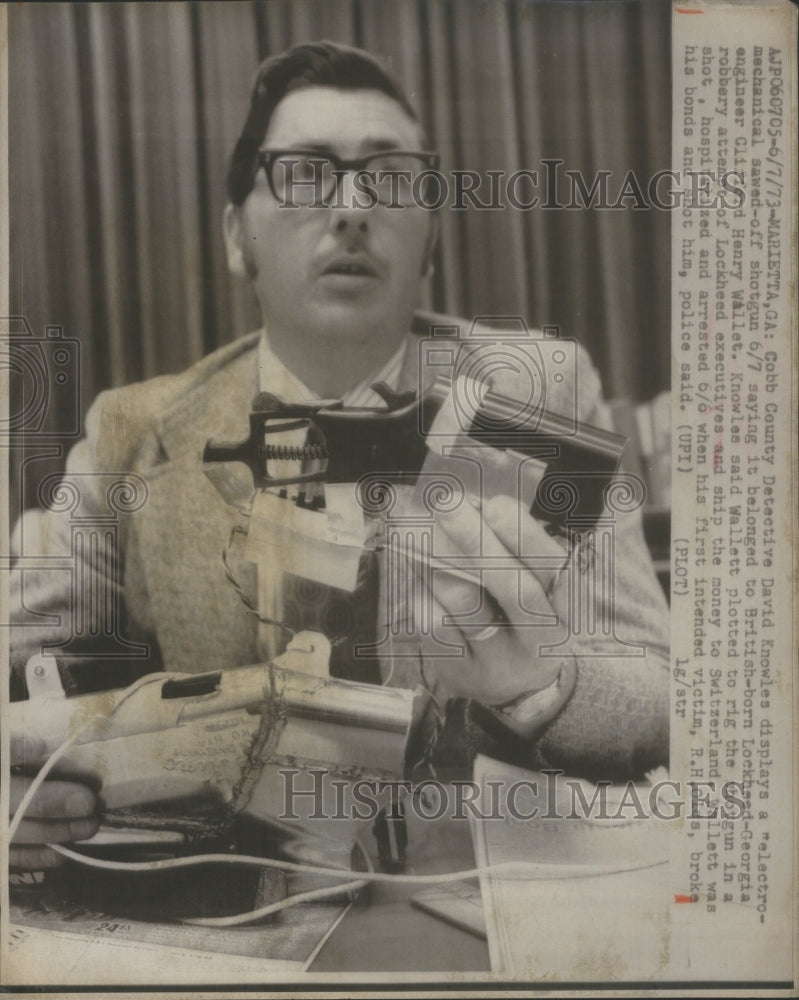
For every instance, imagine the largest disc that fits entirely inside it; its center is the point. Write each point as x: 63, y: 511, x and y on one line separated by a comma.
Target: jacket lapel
x: 198, y: 617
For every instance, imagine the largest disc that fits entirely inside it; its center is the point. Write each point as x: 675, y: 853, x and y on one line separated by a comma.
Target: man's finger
x: 53, y: 799
x: 446, y: 602
x: 523, y: 535
x: 456, y: 595
x: 26, y: 750
x: 544, y: 556
x: 35, y: 831
x: 505, y: 577
x: 32, y: 858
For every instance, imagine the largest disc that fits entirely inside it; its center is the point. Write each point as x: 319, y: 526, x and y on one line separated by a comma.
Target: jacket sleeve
x: 66, y: 584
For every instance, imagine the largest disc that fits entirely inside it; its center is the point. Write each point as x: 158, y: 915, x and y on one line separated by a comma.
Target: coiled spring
x: 301, y: 453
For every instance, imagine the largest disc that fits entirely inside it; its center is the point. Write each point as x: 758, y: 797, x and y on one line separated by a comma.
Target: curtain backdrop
x: 122, y: 117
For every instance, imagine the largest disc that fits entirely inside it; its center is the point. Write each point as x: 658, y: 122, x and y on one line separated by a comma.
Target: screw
x: 39, y: 670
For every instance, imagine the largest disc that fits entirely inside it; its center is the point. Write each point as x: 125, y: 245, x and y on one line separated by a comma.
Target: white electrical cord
x: 47, y: 767
x: 510, y: 869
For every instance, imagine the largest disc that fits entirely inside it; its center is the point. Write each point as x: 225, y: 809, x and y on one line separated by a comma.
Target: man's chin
x: 351, y: 322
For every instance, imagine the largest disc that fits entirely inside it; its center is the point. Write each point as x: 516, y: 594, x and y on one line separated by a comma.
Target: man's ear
x: 233, y: 228
x: 430, y: 245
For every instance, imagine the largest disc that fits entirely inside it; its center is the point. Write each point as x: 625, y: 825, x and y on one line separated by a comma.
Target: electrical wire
x: 47, y: 767
x: 536, y: 870
x: 253, y: 916
x: 248, y: 603
x: 531, y: 870
x: 269, y: 909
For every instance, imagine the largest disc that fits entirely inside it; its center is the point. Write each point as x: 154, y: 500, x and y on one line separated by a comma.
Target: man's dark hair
x: 315, y: 64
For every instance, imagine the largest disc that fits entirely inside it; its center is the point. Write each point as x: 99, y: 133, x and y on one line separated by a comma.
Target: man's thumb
x: 26, y: 750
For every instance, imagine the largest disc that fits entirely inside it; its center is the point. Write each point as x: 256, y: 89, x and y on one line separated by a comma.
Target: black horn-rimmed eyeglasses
x: 301, y: 177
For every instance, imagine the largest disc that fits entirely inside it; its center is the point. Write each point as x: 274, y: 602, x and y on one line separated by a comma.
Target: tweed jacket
x: 176, y: 604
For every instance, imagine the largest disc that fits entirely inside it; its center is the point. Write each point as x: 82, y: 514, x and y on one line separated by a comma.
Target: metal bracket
x: 43, y: 679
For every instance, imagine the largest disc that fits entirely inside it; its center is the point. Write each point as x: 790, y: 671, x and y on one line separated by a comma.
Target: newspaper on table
x: 707, y: 898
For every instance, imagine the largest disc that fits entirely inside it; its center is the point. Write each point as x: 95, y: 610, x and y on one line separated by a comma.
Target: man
x: 338, y: 283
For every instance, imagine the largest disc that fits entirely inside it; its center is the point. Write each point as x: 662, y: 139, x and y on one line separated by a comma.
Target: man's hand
x: 60, y: 812
x: 504, y: 663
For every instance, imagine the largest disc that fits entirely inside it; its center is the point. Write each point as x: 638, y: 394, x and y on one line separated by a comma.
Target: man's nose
x: 349, y: 210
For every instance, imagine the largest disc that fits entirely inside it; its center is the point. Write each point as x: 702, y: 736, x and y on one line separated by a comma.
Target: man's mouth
x: 358, y: 268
